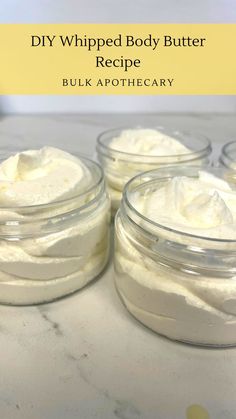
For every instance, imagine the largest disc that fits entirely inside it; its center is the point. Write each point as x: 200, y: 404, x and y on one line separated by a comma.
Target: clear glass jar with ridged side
x: 125, y: 152
x: 175, y: 254
x: 228, y: 155
x: 54, y: 224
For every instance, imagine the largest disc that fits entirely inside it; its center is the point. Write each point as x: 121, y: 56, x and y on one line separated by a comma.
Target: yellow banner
x: 127, y: 59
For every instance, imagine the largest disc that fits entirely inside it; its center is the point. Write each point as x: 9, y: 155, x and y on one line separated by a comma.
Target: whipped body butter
x: 124, y: 153
x: 175, y: 256
x: 54, y: 225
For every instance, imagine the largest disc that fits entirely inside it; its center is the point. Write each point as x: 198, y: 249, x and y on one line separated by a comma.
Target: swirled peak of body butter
x: 203, y: 206
x: 149, y: 142
x: 36, y: 177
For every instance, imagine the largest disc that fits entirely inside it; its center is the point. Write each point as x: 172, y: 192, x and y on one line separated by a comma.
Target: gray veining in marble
x: 84, y: 356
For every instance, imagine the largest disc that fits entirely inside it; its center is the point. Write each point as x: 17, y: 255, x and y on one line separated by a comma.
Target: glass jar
x: 120, y: 167
x: 51, y: 250
x: 228, y: 155
x: 180, y: 285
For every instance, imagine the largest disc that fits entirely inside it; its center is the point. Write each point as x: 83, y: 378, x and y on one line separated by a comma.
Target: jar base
x: 135, y: 312
x: 24, y: 293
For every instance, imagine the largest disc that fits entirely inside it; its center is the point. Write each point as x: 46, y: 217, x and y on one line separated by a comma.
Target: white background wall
x: 119, y: 11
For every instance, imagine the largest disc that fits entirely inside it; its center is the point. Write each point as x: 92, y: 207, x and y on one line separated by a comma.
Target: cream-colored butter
x: 42, y: 176
x: 138, y: 146
x: 203, y: 206
x: 177, y: 300
x: 49, y: 265
x: 147, y: 142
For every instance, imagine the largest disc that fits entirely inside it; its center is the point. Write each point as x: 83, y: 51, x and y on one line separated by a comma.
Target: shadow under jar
x: 179, y: 284
x: 120, y: 166
x: 50, y: 250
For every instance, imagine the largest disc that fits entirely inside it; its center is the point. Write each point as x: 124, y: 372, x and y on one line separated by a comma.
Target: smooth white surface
x: 84, y: 356
x: 123, y: 11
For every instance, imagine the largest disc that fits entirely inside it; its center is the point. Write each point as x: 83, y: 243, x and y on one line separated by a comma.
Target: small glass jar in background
x: 119, y: 167
x: 228, y: 155
x: 180, y: 285
x: 51, y: 250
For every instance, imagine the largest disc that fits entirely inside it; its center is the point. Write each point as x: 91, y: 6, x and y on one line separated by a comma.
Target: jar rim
x: 99, y: 178
x: 150, y: 223
x: 105, y: 149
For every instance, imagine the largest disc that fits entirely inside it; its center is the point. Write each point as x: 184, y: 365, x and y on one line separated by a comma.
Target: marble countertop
x: 84, y: 356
